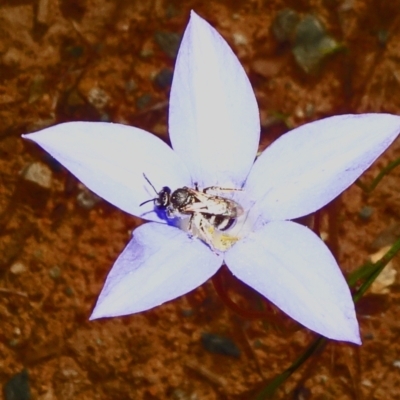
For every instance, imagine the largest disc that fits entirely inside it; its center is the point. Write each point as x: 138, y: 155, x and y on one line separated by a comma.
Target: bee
x: 207, y: 212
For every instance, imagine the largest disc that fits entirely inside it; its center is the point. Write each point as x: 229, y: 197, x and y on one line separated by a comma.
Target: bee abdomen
x: 221, y: 222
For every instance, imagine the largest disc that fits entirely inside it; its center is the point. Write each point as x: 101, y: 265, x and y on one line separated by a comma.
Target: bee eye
x: 163, y: 198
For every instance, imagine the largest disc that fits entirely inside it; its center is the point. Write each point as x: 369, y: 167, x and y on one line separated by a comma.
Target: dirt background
x: 63, y: 60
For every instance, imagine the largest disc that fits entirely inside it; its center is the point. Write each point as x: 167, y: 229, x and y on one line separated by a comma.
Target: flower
x: 214, y: 131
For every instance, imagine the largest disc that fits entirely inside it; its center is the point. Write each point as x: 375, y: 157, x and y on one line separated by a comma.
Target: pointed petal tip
x: 148, y: 272
x: 29, y: 136
x: 212, y: 101
x: 357, y: 340
x: 350, y: 335
x: 278, y: 261
x: 327, y: 155
x: 110, y: 159
x: 97, y: 313
x: 93, y: 316
x: 194, y: 17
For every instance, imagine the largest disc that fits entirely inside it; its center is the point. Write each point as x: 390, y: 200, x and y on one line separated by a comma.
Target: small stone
x: 312, y: 44
x: 299, y: 113
x: 284, y: 25
x: 38, y: 173
x: 168, y: 42
x: 367, y: 383
x: 18, y: 268
x: 164, y: 78
x: 87, y: 199
x: 267, y: 68
x: 368, y: 336
x: 55, y: 272
x: 17, y: 388
x: 143, y: 101
x: 309, y: 110
x: 98, y: 98
x: 383, y: 37
x: 387, y: 277
x: 365, y: 213
x: 239, y: 39
x: 187, y: 312
x: 219, y: 344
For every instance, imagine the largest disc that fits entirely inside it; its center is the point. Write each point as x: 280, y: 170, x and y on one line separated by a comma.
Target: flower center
x: 219, y: 222
x: 204, y: 227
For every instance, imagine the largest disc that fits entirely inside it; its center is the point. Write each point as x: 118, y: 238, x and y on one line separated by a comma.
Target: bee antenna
x: 147, y: 179
x: 147, y: 201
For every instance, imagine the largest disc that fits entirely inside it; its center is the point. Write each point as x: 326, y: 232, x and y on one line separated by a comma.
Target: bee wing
x: 198, y: 207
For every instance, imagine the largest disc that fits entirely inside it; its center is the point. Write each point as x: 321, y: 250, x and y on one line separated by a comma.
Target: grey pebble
x: 143, y: 101
x: 219, y: 344
x: 87, y: 199
x: 312, y: 44
x: 168, y: 42
x: 18, y: 388
x: 365, y: 213
x: 284, y: 25
x: 38, y: 173
x: 164, y: 78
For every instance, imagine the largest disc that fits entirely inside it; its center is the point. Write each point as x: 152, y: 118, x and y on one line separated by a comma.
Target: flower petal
x: 213, y: 118
x: 110, y: 159
x: 159, y: 264
x: 308, y: 167
x: 291, y: 266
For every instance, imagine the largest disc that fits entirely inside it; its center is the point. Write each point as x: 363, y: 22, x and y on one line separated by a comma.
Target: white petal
x: 292, y: 267
x: 213, y: 119
x: 159, y: 264
x: 110, y: 160
x: 308, y: 167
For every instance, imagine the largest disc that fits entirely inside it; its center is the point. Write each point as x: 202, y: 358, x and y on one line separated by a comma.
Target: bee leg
x: 190, y: 223
x: 220, y: 189
x: 171, y: 213
x: 205, y: 230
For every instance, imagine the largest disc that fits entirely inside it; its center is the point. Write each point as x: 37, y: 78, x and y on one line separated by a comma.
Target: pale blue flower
x: 214, y: 131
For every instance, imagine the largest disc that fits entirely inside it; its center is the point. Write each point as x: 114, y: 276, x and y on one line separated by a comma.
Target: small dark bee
x: 203, y: 208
